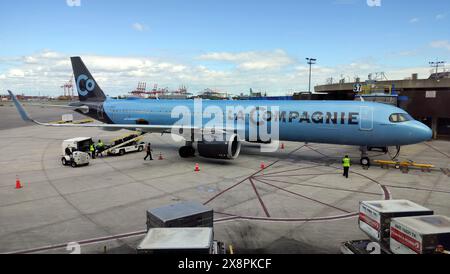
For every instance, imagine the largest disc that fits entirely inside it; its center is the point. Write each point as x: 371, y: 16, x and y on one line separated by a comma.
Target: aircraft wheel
x: 186, y: 152
x: 365, y: 161
x: 64, y: 161
x: 191, y: 152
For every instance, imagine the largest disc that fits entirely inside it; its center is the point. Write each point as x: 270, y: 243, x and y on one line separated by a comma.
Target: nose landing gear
x: 365, y: 160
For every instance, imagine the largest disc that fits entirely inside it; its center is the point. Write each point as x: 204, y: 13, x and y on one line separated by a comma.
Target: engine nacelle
x: 111, y: 129
x: 229, y: 149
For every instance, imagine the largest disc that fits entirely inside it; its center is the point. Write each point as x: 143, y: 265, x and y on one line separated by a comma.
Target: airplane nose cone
x: 422, y: 132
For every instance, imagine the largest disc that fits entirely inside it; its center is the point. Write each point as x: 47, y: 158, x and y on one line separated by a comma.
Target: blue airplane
x: 356, y: 123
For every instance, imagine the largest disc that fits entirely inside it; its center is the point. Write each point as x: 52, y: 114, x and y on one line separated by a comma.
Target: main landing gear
x: 365, y: 160
x: 187, y: 151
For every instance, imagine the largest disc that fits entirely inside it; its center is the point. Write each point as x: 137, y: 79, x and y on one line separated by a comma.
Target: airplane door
x: 100, y: 112
x: 366, y: 114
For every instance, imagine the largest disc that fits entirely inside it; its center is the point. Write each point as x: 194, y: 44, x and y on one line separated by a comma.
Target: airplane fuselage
x: 332, y: 122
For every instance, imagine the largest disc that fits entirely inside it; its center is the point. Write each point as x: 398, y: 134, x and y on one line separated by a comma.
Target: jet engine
x: 111, y: 129
x: 228, y: 149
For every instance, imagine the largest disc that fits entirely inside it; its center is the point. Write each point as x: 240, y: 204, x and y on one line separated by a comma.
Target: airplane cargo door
x: 366, y: 114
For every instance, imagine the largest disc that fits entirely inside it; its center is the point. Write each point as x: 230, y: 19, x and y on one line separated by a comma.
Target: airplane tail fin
x: 87, y: 87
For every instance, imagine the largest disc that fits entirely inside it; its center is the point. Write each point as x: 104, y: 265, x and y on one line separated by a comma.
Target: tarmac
x: 300, y: 203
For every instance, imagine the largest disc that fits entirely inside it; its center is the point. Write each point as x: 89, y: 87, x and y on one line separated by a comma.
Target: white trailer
x: 420, y: 235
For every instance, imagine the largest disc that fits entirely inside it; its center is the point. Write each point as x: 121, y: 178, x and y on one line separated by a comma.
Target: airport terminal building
x: 427, y: 100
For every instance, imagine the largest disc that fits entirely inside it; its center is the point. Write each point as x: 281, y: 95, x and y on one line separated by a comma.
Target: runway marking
x: 324, y: 187
x: 286, y: 220
x: 436, y: 149
x: 446, y: 171
x: 247, y: 178
x: 83, y: 242
x: 297, y: 175
x: 82, y: 214
x: 265, y: 178
x: 419, y: 189
x: 303, y: 196
x: 259, y: 198
x: 291, y: 170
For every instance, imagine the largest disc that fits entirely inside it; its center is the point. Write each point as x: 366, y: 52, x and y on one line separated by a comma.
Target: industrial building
x: 427, y: 100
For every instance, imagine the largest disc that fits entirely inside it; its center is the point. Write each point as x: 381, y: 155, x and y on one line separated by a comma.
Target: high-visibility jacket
x: 346, y: 162
x: 91, y: 148
x: 100, y: 144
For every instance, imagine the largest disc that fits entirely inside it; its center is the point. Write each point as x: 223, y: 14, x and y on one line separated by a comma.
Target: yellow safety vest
x: 91, y: 148
x: 346, y: 162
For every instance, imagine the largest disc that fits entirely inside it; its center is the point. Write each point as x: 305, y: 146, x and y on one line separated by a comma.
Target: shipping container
x: 375, y: 217
x: 419, y: 235
x: 185, y: 214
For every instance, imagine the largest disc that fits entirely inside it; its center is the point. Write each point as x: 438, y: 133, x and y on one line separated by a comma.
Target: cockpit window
x: 400, y: 117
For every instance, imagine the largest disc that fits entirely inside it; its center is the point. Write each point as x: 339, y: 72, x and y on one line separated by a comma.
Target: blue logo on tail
x: 85, y: 85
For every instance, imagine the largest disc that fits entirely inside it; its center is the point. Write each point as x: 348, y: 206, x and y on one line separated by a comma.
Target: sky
x: 228, y: 45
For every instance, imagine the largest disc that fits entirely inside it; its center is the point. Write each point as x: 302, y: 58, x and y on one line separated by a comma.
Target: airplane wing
x: 148, y: 128
x: 68, y: 107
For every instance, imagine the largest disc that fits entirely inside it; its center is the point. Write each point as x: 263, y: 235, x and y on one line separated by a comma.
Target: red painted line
x: 318, y: 152
x: 298, y: 175
x: 318, y: 219
x: 223, y: 191
x: 259, y: 198
x: 256, y: 173
x: 83, y: 242
x: 324, y: 187
x: 436, y: 149
x: 420, y: 189
x: 300, y: 195
x: 291, y: 170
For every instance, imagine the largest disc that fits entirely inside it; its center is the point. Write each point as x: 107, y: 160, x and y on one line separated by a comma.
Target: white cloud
x: 139, y: 27
x: 440, y: 44
x: 414, y: 20
x: 16, y: 73
x: 441, y: 16
x: 252, y: 60
x: 45, y: 72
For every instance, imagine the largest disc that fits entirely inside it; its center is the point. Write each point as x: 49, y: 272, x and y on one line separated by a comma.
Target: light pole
x: 311, y: 61
x: 436, y: 65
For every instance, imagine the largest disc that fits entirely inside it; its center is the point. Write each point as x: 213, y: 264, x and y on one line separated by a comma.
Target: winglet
x: 20, y: 108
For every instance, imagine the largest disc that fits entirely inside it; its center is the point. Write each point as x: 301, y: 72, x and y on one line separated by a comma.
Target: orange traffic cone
x: 197, y: 168
x: 160, y: 156
x: 18, y: 184
x: 282, y: 145
x: 263, y: 166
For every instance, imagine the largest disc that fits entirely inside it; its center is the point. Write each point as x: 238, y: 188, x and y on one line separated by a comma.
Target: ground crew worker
x: 346, y: 163
x: 92, y: 150
x: 68, y: 151
x: 149, y: 152
x: 100, y: 147
x: 441, y: 250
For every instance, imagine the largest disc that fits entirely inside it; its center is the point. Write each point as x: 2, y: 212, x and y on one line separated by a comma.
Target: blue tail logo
x: 85, y: 85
